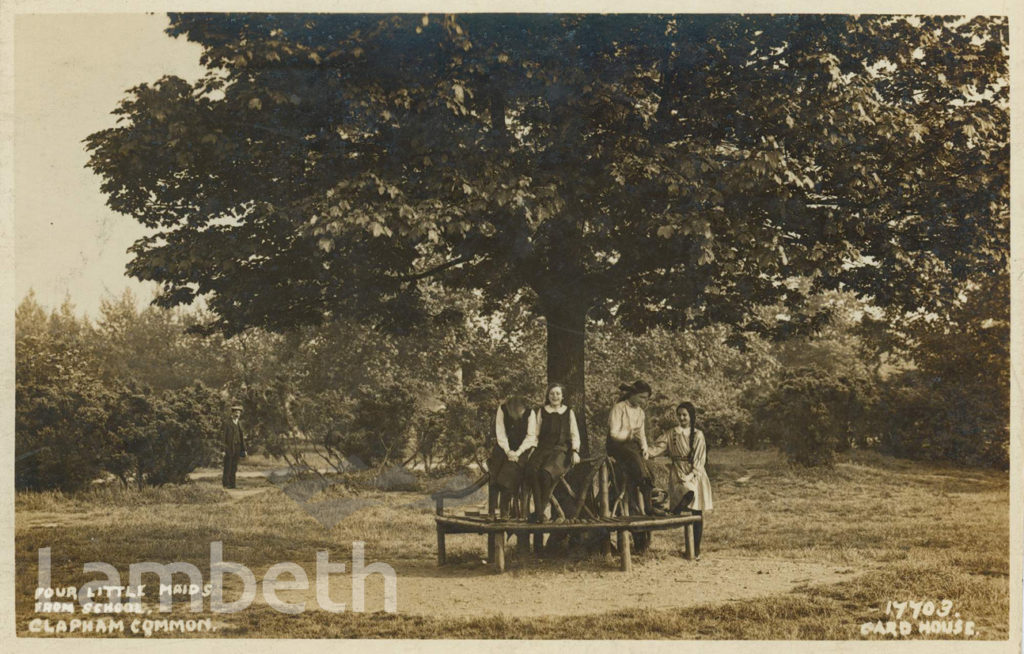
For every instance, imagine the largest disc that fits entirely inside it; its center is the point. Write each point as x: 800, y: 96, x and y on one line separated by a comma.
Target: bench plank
x: 636, y: 522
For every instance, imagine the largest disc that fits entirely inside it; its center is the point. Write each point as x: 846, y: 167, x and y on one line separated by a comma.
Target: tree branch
x: 436, y: 269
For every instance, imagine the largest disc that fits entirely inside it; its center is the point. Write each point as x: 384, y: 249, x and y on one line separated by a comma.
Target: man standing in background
x: 234, y: 445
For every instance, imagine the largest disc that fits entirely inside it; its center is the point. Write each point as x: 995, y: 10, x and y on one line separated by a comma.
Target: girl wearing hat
x: 627, y: 441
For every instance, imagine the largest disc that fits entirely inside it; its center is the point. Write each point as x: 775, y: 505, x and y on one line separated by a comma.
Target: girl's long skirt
x: 628, y: 455
x: 504, y: 473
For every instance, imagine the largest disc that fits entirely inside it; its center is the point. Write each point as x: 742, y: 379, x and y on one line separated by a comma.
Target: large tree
x: 674, y: 170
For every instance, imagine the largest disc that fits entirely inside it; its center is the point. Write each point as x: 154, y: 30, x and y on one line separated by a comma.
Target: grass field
x: 788, y: 554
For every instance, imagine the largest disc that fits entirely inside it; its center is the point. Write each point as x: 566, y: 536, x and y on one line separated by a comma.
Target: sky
x: 70, y: 73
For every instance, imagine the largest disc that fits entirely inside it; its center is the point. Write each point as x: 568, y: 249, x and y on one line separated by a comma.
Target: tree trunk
x: 566, y: 326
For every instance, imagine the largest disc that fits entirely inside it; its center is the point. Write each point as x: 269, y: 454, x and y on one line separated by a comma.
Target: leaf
x: 256, y: 104
x: 666, y: 231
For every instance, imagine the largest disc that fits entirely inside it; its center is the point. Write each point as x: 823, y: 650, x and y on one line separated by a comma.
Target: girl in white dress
x: 689, y: 486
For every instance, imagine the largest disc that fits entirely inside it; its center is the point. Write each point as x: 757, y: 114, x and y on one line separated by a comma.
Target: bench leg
x: 523, y: 542
x: 499, y: 551
x: 492, y: 500
x: 490, y: 546
x: 441, y: 556
x: 689, y: 542
x: 624, y: 551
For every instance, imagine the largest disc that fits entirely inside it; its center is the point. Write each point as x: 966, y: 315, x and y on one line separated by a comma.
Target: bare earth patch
x: 471, y: 590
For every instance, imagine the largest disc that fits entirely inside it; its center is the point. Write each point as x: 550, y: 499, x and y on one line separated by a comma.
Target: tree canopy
x: 674, y: 170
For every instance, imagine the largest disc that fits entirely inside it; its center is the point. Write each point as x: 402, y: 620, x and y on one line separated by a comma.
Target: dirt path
x: 472, y: 590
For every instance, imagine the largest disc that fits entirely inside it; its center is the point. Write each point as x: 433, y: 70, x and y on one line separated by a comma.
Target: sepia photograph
x: 542, y: 325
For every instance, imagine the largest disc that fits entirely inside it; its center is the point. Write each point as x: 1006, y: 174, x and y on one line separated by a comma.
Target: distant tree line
x: 135, y: 396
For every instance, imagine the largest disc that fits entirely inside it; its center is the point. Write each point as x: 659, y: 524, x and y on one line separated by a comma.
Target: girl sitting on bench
x: 554, y: 431
x: 627, y: 442
x: 511, y: 424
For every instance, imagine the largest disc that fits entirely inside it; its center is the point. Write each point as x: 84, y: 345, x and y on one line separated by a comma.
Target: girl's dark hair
x: 636, y: 388
x: 517, y: 405
x: 692, y: 410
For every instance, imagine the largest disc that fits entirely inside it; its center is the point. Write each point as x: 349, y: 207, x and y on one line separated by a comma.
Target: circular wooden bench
x: 595, y: 511
x: 621, y: 526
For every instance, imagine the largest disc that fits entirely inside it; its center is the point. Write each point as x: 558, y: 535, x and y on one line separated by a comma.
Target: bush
x: 382, y: 421
x: 184, y: 431
x: 428, y: 433
x: 724, y: 421
x: 467, y: 430
x: 372, y: 428
x: 68, y: 434
x: 159, y: 438
x: 73, y: 423
x: 811, y: 414
x: 60, y: 435
x: 293, y: 424
x: 61, y: 405
x: 455, y: 435
x: 935, y: 418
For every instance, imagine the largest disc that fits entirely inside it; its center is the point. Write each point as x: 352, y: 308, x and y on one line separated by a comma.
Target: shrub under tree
x: 811, y: 414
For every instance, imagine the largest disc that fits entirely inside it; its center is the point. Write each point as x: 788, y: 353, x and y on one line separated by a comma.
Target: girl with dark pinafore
x: 555, y: 433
